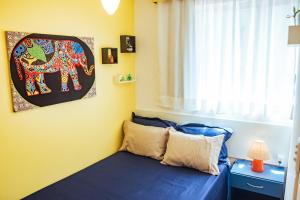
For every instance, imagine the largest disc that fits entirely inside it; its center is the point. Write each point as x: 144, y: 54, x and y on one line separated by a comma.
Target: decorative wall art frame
x: 109, y: 55
x: 50, y: 69
x: 127, y: 44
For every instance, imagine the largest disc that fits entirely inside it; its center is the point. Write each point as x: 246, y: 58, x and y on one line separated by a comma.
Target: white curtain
x: 227, y: 57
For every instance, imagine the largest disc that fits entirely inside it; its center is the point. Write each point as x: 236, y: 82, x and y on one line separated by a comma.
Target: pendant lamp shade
x: 110, y: 6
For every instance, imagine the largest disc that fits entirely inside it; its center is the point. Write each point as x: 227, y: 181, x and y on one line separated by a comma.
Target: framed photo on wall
x: 127, y: 44
x: 109, y: 56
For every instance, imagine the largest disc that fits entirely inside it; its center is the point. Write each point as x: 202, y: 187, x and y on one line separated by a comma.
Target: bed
x: 125, y: 176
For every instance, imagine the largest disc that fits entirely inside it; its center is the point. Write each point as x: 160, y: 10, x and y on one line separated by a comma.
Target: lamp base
x: 257, y: 165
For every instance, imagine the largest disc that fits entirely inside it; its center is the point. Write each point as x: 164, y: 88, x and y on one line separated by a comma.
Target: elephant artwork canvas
x: 49, y: 69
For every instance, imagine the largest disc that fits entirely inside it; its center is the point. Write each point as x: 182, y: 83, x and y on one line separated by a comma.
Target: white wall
x: 147, y: 71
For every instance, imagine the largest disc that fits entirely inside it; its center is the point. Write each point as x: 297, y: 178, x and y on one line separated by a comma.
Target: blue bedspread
x: 125, y: 176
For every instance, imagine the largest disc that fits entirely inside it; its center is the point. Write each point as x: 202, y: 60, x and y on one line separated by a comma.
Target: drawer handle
x: 256, y: 186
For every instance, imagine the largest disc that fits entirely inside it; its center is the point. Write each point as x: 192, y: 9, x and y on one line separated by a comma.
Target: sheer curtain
x: 227, y: 57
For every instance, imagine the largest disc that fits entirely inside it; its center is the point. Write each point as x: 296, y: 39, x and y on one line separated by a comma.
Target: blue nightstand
x: 246, y: 184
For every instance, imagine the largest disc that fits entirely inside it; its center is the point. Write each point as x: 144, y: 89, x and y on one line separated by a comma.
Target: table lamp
x: 258, y: 152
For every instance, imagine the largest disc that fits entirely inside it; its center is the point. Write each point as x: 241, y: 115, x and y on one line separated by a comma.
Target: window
x: 227, y: 57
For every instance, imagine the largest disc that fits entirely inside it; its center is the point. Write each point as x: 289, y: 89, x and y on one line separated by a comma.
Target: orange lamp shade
x: 258, y: 152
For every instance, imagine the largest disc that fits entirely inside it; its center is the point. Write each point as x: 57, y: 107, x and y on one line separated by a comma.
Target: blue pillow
x: 210, y: 131
x: 152, y: 121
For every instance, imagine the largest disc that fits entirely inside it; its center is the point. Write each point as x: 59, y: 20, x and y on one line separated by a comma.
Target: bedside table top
x: 271, y: 173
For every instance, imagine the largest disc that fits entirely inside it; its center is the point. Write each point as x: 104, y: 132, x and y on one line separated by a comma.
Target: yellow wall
x: 41, y: 146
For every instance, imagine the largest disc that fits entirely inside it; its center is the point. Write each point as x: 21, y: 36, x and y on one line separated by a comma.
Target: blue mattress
x: 125, y: 176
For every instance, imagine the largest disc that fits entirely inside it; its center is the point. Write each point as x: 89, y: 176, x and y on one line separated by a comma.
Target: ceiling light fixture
x: 110, y: 6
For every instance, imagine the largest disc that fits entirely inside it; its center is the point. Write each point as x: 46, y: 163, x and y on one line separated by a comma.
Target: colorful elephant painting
x: 50, y: 69
x: 66, y: 55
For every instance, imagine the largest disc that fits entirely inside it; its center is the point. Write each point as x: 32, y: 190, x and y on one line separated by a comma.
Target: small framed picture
x: 109, y: 56
x: 127, y: 44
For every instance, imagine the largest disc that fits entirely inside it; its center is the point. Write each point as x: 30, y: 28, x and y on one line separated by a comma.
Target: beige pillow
x: 195, y: 151
x: 145, y: 140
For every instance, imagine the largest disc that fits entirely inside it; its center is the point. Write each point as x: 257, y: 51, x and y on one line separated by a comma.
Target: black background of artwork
x: 53, y: 80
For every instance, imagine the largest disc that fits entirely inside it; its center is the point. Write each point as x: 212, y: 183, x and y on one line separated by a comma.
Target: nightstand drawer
x: 257, y: 185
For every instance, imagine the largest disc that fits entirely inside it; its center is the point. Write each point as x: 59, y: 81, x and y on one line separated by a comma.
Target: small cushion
x: 195, y: 151
x: 144, y: 140
x: 152, y: 121
x: 209, y: 131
